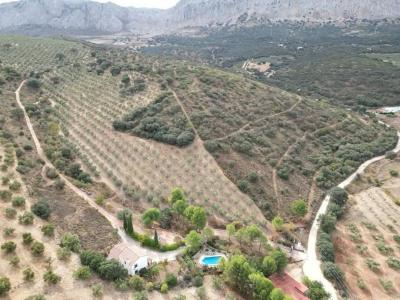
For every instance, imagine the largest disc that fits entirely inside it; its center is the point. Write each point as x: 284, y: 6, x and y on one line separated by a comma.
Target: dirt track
x: 135, y: 246
x: 312, y: 265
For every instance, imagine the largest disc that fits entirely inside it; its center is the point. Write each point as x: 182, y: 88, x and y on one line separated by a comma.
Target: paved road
x: 312, y: 265
x: 115, y: 223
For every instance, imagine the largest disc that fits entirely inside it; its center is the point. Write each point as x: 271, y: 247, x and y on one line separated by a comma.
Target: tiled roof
x: 123, y: 254
x: 290, y: 286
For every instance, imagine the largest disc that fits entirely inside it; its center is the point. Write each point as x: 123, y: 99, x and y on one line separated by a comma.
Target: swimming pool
x: 211, y: 261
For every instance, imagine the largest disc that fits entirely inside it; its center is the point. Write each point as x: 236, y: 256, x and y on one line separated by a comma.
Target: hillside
x: 274, y: 146
x: 139, y: 169
x: 87, y: 17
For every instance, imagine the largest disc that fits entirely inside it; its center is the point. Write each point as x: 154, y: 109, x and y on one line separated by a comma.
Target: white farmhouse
x: 129, y: 259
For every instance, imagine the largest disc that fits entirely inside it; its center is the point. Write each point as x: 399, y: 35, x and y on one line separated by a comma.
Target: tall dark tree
x: 124, y: 219
x: 156, y: 240
x: 129, y: 226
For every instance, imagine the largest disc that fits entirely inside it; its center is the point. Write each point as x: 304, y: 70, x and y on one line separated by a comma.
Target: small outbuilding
x: 129, y: 259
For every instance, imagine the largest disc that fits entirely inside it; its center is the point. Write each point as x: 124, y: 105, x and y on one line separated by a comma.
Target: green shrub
x: 339, y: 196
x: 33, y: 83
x: 150, y: 215
x: 171, y: 280
x: 27, y: 238
x: 92, y: 259
x: 140, y: 296
x: 51, y: 173
x: 82, y: 273
x: 284, y: 173
x: 63, y: 253
x: 383, y: 248
x: 71, y: 242
x: 18, y: 201
x: 277, y: 223
x: 244, y: 186
x: 5, y: 286
x: 164, y: 288
x: 387, y: 285
x: 112, y: 270
x: 37, y: 249
x: 14, y: 261
x: 41, y: 209
x: 332, y: 272
x: 5, y: 196
x: 316, y: 290
x: 8, y: 247
x: 59, y: 184
x: 137, y: 283
x: 8, y: 231
x: 299, y: 208
x: 26, y: 218
x: 372, y: 265
x: 97, y: 290
x: 51, y: 278
x: 48, y: 229
x: 15, y: 186
x: 393, y: 263
x: 10, y: 213
x: 28, y: 274
x: 328, y: 223
x: 121, y: 285
x: 325, y: 247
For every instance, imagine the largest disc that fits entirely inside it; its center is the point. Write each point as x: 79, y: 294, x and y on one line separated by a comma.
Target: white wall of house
x: 141, y: 263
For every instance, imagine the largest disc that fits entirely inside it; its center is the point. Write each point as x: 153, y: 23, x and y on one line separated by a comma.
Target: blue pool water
x: 211, y: 260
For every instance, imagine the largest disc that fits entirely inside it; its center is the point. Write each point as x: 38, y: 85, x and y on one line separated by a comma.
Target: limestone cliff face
x: 86, y: 16
x: 203, y: 12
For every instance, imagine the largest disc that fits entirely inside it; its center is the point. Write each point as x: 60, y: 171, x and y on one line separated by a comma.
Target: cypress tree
x: 129, y: 226
x: 156, y: 241
x: 125, y: 223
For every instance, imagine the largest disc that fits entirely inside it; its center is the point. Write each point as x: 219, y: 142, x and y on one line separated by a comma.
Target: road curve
x: 312, y: 264
x: 115, y: 223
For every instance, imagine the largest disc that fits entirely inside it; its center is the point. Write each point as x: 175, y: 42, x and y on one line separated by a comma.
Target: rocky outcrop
x: 81, y: 16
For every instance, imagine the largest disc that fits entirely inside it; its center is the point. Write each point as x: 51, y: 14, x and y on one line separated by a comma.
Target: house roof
x: 290, y: 286
x: 123, y: 254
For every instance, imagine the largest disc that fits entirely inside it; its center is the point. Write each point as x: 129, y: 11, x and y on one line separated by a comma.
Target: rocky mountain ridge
x: 77, y: 16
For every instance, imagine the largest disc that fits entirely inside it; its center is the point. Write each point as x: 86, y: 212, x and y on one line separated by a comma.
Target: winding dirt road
x: 312, y: 264
x: 115, y: 223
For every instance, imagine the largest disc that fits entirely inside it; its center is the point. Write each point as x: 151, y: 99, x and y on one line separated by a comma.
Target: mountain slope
x: 85, y: 17
x: 73, y: 16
